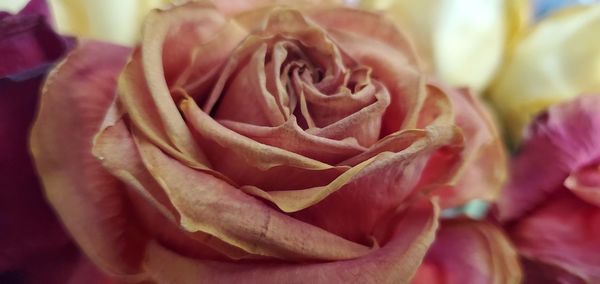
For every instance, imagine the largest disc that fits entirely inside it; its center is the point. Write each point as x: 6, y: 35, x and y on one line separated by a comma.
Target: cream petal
x: 556, y: 61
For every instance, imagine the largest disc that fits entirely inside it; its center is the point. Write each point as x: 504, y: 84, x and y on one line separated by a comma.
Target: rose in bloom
x: 277, y: 144
x: 551, y: 206
x: 33, y: 245
x: 449, y: 33
x: 556, y: 61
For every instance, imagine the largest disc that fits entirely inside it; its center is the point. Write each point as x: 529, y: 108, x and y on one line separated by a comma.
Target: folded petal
x: 562, y: 142
x: 395, y: 262
x: 376, y: 42
x: 556, y: 61
x: 484, y: 163
x: 210, y: 205
x: 466, y: 251
x: 90, y: 202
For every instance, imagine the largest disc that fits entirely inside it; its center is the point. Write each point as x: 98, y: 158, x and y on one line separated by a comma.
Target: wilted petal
x: 388, y: 179
x: 291, y: 137
x: 563, y: 141
x: 90, y: 202
x: 210, y: 205
x: 395, y: 262
x: 466, y: 251
x: 554, y: 62
x: 484, y: 164
x: 376, y: 42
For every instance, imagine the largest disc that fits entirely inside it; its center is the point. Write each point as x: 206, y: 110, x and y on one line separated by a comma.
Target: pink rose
x: 551, y: 207
x: 279, y: 144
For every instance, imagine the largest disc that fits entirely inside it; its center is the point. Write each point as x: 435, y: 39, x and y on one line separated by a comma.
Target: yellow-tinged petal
x: 462, y: 41
x: 116, y: 21
x: 558, y: 60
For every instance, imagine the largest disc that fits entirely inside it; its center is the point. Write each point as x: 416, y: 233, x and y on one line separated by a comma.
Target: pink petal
x: 585, y: 183
x: 90, y: 202
x: 467, y: 251
x: 563, y: 232
x: 483, y: 171
x: 212, y: 206
x: 560, y: 142
x: 29, y: 47
x: 395, y: 262
x: 375, y: 41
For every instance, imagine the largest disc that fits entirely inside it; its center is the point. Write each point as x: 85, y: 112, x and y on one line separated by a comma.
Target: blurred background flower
x: 462, y: 41
x: 117, y: 21
x: 558, y: 59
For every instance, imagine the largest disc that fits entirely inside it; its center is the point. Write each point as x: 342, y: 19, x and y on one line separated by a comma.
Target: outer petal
x: 111, y: 20
x: 564, y: 233
x: 467, y: 251
x: 449, y: 33
x: 556, y: 61
x: 395, y: 262
x: 561, y: 142
x: 484, y: 166
x: 89, y: 201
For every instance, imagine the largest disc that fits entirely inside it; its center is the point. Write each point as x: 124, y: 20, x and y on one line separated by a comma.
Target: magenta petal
x: 561, y: 141
x: 28, y: 46
x: 37, y: 7
x: 28, y: 227
x: 564, y: 233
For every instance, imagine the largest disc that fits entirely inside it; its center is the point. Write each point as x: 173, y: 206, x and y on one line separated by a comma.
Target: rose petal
x: 29, y: 48
x: 116, y: 148
x: 585, y: 183
x: 144, y: 88
x: 248, y: 162
x: 563, y: 232
x: 355, y: 210
x: 561, y: 141
x: 468, y: 251
x: 395, y: 262
x: 210, y: 205
x: 484, y: 164
x: 89, y: 200
x: 375, y: 41
x: 291, y: 137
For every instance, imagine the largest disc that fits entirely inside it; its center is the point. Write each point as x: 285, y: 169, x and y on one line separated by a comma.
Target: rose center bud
x: 294, y: 79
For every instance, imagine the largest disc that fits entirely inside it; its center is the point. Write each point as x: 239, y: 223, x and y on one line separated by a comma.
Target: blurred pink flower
x: 551, y: 207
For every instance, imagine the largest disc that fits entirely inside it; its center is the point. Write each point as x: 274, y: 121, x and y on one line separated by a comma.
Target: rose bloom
x: 263, y: 144
x: 551, y: 206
